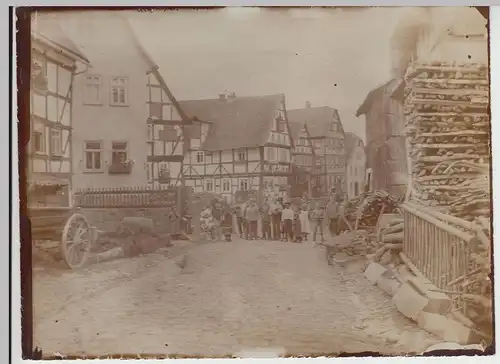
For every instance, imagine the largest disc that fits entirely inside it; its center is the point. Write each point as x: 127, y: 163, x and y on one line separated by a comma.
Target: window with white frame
x: 39, y: 142
x: 56, y: 142
x: 226, y: 185
x: 200, y: 157
x: 209, y: 185
x: 119, y: 152
x: 93, y: 156
x: 271, y: 153
x: 119, y: 91
x: 243, y: 185
x: 92, y: 90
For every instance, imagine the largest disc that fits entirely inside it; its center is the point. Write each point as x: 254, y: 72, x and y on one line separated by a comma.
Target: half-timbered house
x: 54, y: 61
x: 124, y: 111
x: 303, y: 162
x: 327, y: 136
x: 238, y: 144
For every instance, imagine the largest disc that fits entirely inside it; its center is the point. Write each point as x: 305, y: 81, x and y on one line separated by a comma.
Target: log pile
x: 366, y: 208
x: 447, y: 123
x: 390, y: 244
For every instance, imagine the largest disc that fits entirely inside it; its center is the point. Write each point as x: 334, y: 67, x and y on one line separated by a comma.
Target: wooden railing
x: 440, y: 250
x: 138, y: 197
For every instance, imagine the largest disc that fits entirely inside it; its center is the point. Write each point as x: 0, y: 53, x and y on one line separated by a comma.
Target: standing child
x: 240, y: 221
x: 304, y: 222
x: 227, y: 223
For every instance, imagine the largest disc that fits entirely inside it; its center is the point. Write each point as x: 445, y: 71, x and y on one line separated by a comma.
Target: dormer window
x: 333, y: 126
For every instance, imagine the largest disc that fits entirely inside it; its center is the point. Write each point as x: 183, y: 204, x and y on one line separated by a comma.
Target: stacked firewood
x: 365, y: 209
x: 448, y: 127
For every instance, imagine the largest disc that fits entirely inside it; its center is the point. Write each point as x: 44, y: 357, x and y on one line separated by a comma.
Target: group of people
x: 279, y: 220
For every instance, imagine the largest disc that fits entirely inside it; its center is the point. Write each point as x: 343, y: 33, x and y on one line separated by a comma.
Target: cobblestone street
x: 218, y: 299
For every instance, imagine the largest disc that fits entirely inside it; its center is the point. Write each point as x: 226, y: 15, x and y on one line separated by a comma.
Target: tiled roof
x: 295, y: 129
x: 46, y: 26
x: 317, y: 119
x: 350, y: 143
x: 242, y: 122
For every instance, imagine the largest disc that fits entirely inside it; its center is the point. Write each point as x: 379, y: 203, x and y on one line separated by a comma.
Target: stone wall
x: 108, y: 219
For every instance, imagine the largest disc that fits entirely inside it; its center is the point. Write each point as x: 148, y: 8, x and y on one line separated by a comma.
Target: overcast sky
x: 329, y: 57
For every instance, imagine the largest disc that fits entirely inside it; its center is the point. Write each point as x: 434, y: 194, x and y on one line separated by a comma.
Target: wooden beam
x: 165, y: 158
x: 151, y: 121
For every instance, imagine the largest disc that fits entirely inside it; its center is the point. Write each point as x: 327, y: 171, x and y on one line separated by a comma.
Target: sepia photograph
x: 258, y: 182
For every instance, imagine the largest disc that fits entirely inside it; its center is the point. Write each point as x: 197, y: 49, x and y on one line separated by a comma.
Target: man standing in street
x: 252, y: 218
x: 276, y: 210
x: 317, y: 216
x: 332, y: 214
x: 265, y: 215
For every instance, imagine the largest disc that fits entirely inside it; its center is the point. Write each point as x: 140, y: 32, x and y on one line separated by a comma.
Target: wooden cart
x: 63, y: 224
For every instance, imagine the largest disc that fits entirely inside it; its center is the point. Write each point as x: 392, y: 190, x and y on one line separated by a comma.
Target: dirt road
x: 226, y: 297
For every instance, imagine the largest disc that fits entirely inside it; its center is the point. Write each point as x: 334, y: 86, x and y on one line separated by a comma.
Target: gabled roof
x: 105, y: 37
x: 242, y: 122
x: 45, y: 27
x: 375, y: 94
x: 350, y: 142
x: 295, y: 130
x: 317, y: 119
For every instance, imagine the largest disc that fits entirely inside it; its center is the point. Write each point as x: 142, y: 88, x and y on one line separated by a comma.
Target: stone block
x: 439, y: 302
x: 389, y: 285
x: 409, y: 302
x: 444, y: 327
x: 373, y: 272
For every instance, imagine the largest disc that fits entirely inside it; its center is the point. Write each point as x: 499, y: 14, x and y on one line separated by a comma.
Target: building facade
x: 327, y: 136
x: 303, y: 161
x: 55, y: 60
x: 119, y: 107
x: 238, y: 144
x: 355, y: 165
x: 385, y: 139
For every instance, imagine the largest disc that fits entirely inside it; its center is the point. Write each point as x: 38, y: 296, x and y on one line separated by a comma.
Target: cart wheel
x: 76, y: 241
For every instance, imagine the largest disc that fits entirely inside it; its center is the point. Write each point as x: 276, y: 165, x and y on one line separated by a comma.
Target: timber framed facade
x: 327, y: 137
x: 238, y: 144
x: 54, y: 60
x: 303, y: 178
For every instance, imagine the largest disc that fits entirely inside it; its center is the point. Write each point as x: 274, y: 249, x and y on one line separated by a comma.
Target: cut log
x: 391, y: 238
x: 394, y: 228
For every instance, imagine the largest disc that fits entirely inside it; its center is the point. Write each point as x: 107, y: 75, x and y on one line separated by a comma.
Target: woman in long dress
x: 304, y: 222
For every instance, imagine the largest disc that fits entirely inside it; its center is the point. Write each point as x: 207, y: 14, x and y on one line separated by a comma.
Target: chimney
x: 222, y: 97
x: 308, y: 104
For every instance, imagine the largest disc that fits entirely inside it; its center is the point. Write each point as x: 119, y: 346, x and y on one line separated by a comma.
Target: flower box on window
x: 121, y: 167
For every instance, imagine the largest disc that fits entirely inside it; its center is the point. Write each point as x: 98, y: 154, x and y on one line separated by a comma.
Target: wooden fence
x: 439, y: 249
x: 138, y: 197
